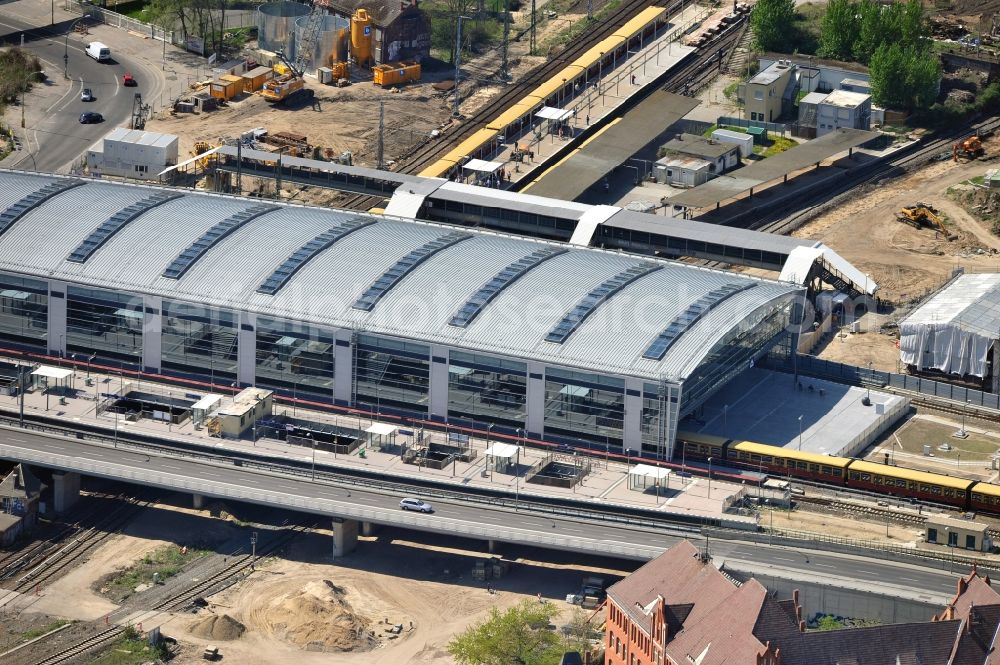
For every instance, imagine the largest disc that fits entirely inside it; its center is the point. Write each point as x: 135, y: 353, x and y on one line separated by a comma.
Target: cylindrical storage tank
x: 361, y: 37
x: 331, y: 42
x: 276, y: 26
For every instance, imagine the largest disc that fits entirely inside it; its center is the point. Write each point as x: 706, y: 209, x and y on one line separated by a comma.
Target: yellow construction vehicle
x: 288, y: 87
x: 201, y: 147
x: 969, y: 148
x: 921, y: 215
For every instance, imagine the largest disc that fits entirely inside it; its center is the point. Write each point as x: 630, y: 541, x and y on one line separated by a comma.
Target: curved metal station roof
x: 580, y: 307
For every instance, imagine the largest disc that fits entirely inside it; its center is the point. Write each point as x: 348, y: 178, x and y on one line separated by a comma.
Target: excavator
x: 921, y: 215
x: 969, y: 148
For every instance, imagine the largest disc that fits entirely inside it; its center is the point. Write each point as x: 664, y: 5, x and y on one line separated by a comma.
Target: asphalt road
x: 54, y: 138
x: 778, y: 561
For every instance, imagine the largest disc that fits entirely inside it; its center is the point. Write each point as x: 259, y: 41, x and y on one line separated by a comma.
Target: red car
x: 128, y: 81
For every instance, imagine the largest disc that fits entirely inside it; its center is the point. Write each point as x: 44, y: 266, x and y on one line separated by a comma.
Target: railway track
x: 918, y: 155
x: 688, y: 81
x: 180, y: 599
x: 52, y: 565
x: 879, y: 513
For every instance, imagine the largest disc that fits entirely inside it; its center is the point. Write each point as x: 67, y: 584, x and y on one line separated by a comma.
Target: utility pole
x: 504, y: 74
x: 380, y: 150
x: 590, y: 9
x: 458, y: 61
x: 531, y: 42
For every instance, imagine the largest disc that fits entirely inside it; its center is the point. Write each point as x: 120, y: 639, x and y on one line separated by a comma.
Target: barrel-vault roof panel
x: 419, y: 307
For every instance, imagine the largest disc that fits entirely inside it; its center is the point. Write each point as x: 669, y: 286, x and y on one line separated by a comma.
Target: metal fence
x: 773, y: 127
x: 230, y: 20
x: 862, y: 376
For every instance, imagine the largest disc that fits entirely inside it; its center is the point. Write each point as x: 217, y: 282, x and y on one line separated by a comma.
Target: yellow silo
x: 361, y: 37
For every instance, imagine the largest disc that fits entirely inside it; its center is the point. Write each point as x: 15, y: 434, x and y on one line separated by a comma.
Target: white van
x: 98, y: 51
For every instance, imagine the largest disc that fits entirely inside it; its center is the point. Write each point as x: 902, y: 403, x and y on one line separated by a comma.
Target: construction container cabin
x: 226, y: 86
x: 400, y: 29
x: 255, y: 79
x: 396, y: 73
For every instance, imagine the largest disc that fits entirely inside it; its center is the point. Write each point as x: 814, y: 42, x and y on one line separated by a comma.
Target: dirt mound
x: 318, y: 617
x: 218, y: 627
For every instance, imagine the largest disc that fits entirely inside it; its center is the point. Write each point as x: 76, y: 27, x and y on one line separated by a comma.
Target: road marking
x: 825, y: 565
x: 782, y: 558
x: 909, y: 579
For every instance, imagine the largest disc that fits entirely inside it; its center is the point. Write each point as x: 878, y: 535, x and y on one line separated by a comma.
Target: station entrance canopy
x: 748, y: 178
x: 613, y: 146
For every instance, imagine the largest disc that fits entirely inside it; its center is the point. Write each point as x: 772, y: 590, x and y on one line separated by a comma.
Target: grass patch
x: 29, y: 635
x: 573, y: 31
x: 978, y: 180
x: 918, y: 433
x: 130, y: 649
x: 166, y: 561
x: 806, y: 27
x: 730, y: 91
x: 778, y: 145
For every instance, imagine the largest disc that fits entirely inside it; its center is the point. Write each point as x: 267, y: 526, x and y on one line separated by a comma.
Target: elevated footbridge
x: 440, y: 200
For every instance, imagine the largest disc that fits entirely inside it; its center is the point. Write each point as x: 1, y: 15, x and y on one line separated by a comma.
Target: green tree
x: 770, y: 22
x: 914, y: 28
x: 839, y: 30
x: 519, y: 635
x: 903, y: 77
x: 869, y: 32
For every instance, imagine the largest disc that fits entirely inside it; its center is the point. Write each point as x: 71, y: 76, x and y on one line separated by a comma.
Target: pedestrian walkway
x: 606, y: 483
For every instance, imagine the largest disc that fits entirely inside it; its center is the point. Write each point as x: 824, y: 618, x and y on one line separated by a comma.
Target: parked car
x: 89, y: 117
x: 86, y: 95
x: 410, y: 503
x: 128, y: 80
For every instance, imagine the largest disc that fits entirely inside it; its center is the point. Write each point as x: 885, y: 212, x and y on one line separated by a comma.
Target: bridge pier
x: 368, y: 529
x: 345, y: 536
x: 65, y: 490
x: 198, y: 501
x: 492, y: 546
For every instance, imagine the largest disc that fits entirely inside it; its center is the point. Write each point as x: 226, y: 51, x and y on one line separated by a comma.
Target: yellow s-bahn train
x: 844, y: 471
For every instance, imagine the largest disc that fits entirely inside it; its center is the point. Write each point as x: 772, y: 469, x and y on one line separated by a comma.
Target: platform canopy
x: 551, y: 113
x: 609, y: 148
x: 49, y: 372
x: 502, y: 450
x: 649, y: 471
x: 482, y: 166
x: 765, y: 170
x: 381, y: 429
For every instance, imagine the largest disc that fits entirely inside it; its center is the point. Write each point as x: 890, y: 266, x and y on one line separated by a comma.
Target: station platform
x: 834, y: 421
x: 607, y: 482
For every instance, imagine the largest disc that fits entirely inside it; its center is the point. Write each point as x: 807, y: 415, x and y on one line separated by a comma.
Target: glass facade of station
x: 199, y: 341
x: 484, y: 389
x: 584, y: 406
x: 734, y: 352
x: 660, y: 403
x: 391, y: 376
x: 24, y: 311
x: 295, y: 358
x: 107, y: 323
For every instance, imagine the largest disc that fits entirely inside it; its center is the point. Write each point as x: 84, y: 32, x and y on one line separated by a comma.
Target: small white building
x: 682, y: 171
x: 743, y: 141
x: 842, y: 108
x: 133, y: 153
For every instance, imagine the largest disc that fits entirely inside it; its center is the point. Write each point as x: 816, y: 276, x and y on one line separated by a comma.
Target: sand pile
x: 318, y: 617
x: 218, y: 627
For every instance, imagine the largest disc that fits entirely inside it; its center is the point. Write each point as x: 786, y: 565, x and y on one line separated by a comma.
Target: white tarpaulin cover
x: 953, y: 331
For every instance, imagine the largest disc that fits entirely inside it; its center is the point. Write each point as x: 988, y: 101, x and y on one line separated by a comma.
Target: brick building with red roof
x: 678, y: 609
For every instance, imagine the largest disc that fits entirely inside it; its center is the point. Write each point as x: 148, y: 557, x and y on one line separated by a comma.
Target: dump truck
x: 922, y: 215
x: 969, y: 148
x: 290, y: 86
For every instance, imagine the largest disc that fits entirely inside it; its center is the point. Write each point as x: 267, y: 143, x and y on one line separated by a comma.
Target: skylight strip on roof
x: 694, y: 313
x: 598, y: 295
x: 116, y: 223
x: 405, y: 266
x: 308, y: 252
x: 211, y: 238
x: 491, y: 289
x: 21, y: 208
